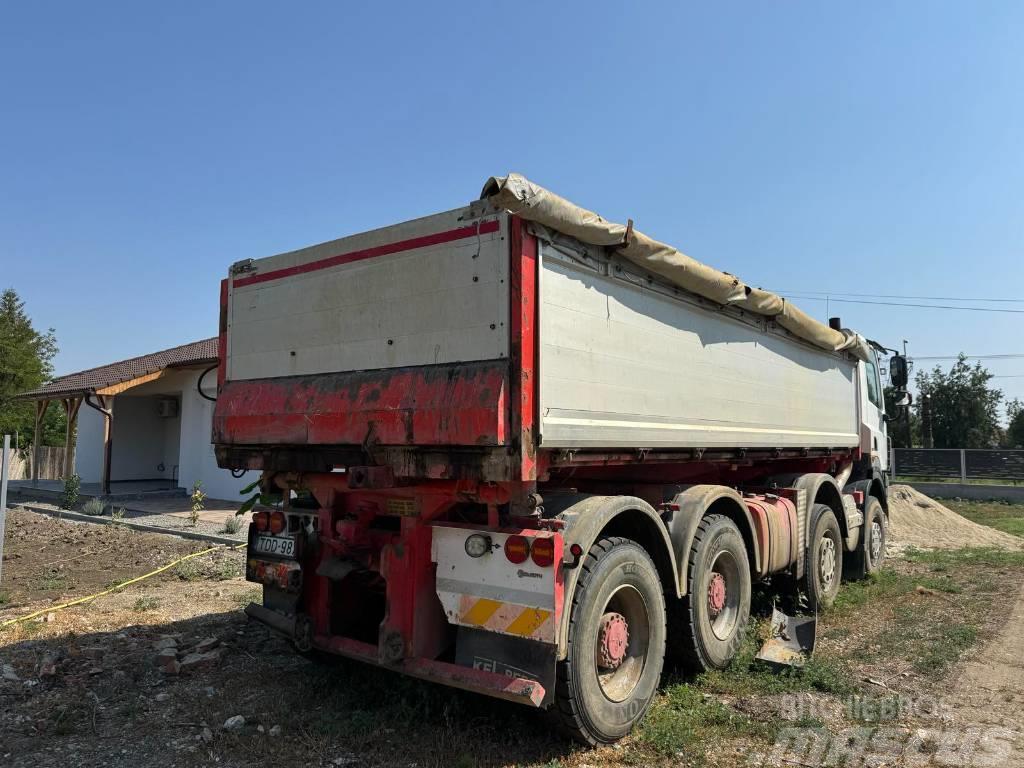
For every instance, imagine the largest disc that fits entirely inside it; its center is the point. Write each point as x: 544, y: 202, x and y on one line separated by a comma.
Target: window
x: 871, y: 374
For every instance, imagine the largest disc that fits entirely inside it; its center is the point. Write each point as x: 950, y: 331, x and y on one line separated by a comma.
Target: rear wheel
x: 616, y: 643
x: 717, y: 606
x: 823, y: 567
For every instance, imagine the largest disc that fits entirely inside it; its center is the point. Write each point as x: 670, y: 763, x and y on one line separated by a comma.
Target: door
x: 872, y: 410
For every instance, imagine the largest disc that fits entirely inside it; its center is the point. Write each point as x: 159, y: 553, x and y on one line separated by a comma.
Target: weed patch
x: 146, y: 603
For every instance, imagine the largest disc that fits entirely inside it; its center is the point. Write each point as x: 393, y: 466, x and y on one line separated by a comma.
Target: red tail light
x: 260, y: 520
x: 543, y: 551
x: 517, y: 549
x: 278, y: 522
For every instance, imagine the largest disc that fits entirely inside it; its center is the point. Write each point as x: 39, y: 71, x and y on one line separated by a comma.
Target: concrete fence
x: 963, y: 464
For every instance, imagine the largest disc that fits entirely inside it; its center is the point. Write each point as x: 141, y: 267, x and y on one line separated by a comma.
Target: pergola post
x: 107, y: 404
x: 41, y: 406
x: 71, y: 406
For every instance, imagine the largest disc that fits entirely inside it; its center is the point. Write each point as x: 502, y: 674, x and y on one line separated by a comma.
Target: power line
x: 899, y: 296
x: 1007, y: 356
x: 903, y: 304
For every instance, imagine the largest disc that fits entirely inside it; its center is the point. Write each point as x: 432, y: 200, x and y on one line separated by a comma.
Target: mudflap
x: 791, y: 642
x: 513, y: 657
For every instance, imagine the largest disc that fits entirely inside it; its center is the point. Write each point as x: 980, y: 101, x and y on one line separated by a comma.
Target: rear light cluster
x: 518, y: 549
x: 275, y: 522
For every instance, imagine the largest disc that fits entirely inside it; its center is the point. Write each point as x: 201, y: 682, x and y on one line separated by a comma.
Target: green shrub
x: 232, y: 524
x: 69, y: 496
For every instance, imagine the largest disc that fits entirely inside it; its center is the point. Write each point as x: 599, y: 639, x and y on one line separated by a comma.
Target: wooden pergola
x: 97, y: 387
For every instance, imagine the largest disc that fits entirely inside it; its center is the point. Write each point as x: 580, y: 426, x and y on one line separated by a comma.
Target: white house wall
x: 143, y: 440
x: 89, y: 444
x: 197, y: 460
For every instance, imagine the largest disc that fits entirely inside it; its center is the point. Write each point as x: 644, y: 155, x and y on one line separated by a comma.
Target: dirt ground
x: 921, y: 666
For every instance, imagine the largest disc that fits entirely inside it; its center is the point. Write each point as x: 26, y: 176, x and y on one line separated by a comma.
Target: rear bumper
x: 519, y: 690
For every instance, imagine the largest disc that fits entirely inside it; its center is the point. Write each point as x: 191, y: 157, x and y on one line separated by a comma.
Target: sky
x: 839, y: 148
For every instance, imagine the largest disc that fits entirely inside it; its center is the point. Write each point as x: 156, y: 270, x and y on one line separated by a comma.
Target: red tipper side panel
x: 459, y: 404
x: 523, y: 346
x: 222, y: 335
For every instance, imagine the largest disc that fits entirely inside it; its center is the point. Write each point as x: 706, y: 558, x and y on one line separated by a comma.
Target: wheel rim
x: 723, y: 595
x: 876, y: 542
x: 621, y: 645
x: 827, y: 562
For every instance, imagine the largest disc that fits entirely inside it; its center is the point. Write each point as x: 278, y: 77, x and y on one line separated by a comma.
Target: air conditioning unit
x: 167, y: 407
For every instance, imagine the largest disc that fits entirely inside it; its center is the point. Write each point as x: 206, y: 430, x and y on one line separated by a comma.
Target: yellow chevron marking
x: 527, y: 622
x: 481, y: 611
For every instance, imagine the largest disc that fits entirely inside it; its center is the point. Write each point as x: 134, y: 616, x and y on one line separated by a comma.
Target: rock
x: 162, y: 697
x: 165, y: 643
x: 50, y: 617
x: 168, y: 658
x: 275, y: 730
x: 196, y: 662
x: 48, y: 666
x: 234, y: 723
x: 94, y: 652
x: 206, y: 644
x: 210, y: 691
x: 207, y: 735
x: 9, y: 673
x: 260, y: 728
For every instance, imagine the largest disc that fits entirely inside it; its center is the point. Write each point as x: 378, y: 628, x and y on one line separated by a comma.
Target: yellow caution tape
x: 116, y: 587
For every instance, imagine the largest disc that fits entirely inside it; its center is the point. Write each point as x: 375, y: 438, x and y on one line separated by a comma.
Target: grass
x: 254, y: 595
x: 146, y: 603
x: 188, y: 571
x: 1000, y: 515
x: 5, y: 598
x: 54, y: 582
x: 684, y: 719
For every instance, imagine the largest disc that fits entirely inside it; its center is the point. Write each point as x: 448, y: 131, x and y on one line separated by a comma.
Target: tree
x: 1015, y: 429
x: 964, y: 410
x: 26, y: 357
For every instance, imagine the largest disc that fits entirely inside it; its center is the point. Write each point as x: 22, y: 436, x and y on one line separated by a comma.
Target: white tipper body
x: 626, y: 361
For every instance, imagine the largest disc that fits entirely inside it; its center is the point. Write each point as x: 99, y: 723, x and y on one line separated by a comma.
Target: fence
x: 51, y: 463
x: 959, y: 463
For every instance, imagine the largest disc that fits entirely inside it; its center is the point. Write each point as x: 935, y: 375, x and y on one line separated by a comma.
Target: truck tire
x: 823, y: 567
x: 716, y: 609
x: 870, y: 553
x: 616, y: 643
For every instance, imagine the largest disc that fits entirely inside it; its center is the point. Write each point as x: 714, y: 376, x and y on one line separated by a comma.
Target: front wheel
x: 616, y: 643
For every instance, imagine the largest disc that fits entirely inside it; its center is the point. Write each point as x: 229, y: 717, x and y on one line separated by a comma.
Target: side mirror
x: 901, y: 406
x: 898, y: 373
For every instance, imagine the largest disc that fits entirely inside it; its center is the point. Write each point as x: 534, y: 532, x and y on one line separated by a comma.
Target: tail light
x: 278, y: 522
x: 260, y: 520
x: 517, y: 549
x: 543, y: 551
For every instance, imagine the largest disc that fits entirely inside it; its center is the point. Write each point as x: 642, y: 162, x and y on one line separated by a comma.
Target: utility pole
x: 926, y: 421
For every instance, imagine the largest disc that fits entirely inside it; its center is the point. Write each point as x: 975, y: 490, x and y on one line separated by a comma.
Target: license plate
x: 274, y: 545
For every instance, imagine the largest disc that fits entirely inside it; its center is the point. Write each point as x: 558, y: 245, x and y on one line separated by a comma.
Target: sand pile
x: 915, y: 520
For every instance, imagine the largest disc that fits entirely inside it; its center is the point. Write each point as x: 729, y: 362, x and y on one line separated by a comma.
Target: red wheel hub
x: 716, y: 594
x: 612, y: 641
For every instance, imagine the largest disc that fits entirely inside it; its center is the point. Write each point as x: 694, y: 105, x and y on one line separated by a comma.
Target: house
x: 147, y: 422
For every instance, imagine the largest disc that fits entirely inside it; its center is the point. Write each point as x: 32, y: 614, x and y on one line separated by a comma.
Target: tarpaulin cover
x: 533, y: 202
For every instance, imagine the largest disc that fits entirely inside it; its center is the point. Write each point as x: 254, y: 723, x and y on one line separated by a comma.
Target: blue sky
x: 806, y: 146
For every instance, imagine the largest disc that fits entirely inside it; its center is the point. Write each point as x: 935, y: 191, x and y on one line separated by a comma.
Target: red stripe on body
x: 438, y: 238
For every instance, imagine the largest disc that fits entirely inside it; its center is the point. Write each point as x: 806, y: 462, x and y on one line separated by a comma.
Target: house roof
x: 124, y: 371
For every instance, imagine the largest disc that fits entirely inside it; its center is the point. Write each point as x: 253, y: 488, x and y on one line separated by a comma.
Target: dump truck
x: 525, y: 451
